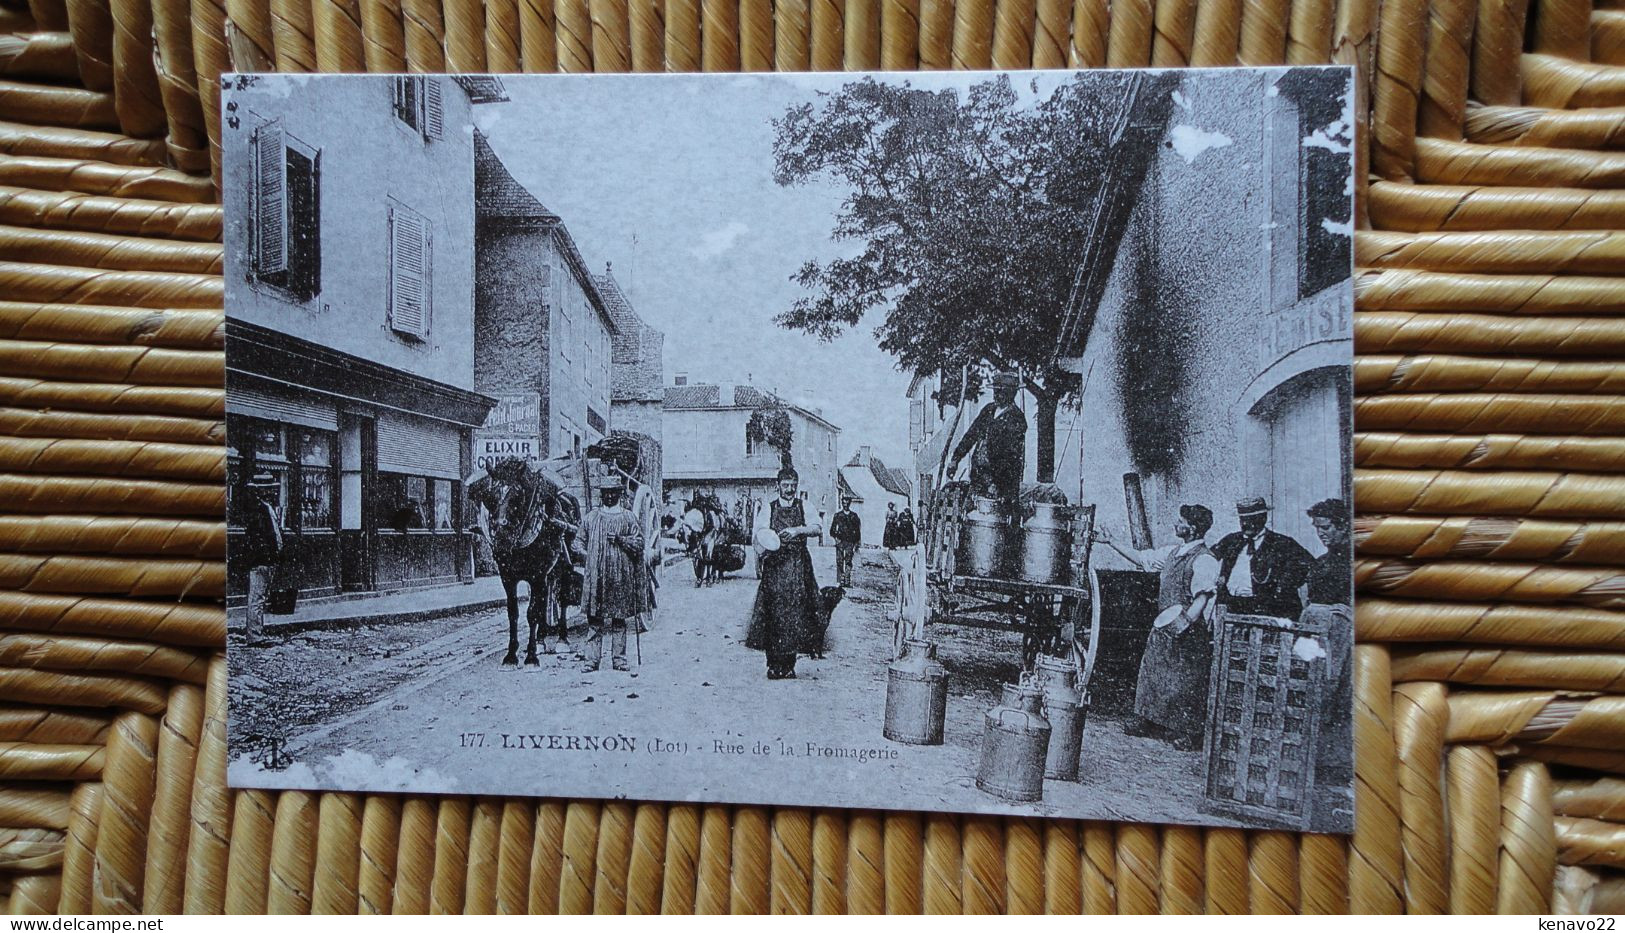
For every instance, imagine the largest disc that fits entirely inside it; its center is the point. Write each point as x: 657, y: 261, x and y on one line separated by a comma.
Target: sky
x: 669, y: 178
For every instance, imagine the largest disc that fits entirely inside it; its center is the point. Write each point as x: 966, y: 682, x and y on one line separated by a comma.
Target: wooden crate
x: 1263, y: 721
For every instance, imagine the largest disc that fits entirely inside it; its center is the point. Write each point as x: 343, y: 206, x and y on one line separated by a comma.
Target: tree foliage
x: 770, y: 424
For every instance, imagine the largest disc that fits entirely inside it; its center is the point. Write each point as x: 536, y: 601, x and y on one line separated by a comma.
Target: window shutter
x: 434, y: 110
x: 270, y: 200
x: 408, y: 273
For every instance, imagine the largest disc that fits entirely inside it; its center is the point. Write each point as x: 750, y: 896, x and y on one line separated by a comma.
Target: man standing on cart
x: 998, y: 437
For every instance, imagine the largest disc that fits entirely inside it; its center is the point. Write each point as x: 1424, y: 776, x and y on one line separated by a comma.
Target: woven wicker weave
x: 1490, y: 674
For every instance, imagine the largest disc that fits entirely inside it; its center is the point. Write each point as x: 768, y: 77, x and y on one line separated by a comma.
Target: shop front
x: 369, y: 464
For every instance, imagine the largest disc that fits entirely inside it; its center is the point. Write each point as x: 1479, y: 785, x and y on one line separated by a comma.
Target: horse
x: 704, y: 542
x: 533, y: 524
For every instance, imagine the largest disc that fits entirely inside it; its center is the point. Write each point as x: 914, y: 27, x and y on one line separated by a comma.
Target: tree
x: 770, y: 424
x: 978, y: 218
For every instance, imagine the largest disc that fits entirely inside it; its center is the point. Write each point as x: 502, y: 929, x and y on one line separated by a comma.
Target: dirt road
x: 427, y: 707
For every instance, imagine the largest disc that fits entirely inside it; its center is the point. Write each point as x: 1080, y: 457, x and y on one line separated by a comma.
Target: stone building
x: 706, y: 449
x: 350, y: 335
x: 542, y: 326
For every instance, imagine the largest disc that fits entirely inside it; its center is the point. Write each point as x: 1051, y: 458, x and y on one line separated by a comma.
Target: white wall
x: 369, y: 159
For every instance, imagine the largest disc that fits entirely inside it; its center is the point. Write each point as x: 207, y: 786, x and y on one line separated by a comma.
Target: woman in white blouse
x: 1170, y: 699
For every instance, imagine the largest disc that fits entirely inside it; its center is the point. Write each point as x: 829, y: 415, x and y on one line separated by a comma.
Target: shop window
x: 316, y: 485
x: 414, y: 503
x: 411, y: 248
x: 418, y: 104
x: 440, y: 496
x: 285, y: 216
x: 253, y: 446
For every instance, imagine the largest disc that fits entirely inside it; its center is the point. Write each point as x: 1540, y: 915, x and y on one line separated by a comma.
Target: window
x: 402, y: 503
x: 411, y: 248
x: 315, y: 478
x: 418, y: 104
x: 440, y: 495
x: 299, y: 458
x: 286, y: 212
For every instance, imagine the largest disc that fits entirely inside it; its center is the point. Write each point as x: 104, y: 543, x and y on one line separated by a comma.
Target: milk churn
x: 916, y: 695
x: 1046, y: 544
x: 1015, y: 738
x: 1065, y: 707
x: 987, y: 540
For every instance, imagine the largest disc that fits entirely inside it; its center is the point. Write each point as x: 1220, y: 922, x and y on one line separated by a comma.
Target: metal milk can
x: 1065, y: 707
x: 1046, y: 544
x: 916, y: 695
x: 1015, y: 739
x: 987, y: 540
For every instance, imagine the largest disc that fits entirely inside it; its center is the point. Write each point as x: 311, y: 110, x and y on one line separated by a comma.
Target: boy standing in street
x: 614, y: 586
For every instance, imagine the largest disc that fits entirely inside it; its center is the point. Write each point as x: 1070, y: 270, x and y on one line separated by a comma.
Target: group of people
x: 1253, y: 571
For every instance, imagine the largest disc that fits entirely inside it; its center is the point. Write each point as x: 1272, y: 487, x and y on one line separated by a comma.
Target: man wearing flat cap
x: 999, y: 438
x: 1260, y: 570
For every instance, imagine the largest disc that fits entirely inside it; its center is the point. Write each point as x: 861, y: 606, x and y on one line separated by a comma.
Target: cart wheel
x: 1083, y: 617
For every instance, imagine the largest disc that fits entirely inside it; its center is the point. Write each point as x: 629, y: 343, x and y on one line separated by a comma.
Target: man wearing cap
x: 847, y: 530
x: 614, y: 587
x: 1260, y: 570
x: 262, y: 550
x: 999, y: 437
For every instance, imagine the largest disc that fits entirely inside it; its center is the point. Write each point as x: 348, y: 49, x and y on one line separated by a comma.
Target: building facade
x: 1217, y: 364
x: 350, y: 341
x: 542, y: 328
x: 876, y: 486
x: 706, y: 450
x: 637, y: 398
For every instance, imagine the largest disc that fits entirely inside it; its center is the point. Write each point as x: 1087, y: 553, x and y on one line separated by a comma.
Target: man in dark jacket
x: 262, y: 550
x: 1260, y: 570
x: 847, y: 530
x: 999, y: 439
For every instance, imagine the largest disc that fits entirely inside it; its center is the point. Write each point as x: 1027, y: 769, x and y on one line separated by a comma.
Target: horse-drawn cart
x: 1030, y: 576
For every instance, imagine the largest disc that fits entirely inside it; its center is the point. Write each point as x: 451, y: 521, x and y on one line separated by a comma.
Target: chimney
x: 864, y: 455
x: 725, y: 394
x: 679, y: 379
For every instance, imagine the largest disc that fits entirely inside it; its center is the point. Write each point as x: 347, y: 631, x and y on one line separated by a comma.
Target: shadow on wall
x: 1152, y: 366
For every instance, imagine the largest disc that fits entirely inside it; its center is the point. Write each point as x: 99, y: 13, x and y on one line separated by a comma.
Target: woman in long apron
x: 787, y: 596
x: 1170, y: 697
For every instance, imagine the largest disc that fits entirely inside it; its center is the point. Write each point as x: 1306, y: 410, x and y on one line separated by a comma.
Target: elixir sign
x: 489, y: 450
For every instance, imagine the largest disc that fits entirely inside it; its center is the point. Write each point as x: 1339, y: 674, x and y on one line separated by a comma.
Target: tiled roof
x: 482, y: 89
x: 900, y: 481
x: 497, y: 193
x: 893, y: 481
x: 844, y: 489
x: 694, y: 396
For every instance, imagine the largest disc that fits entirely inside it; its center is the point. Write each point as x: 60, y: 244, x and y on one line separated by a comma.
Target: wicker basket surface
x: 1490, y: 673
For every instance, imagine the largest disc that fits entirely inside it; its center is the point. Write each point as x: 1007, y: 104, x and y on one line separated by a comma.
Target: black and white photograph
x: 968, y: 442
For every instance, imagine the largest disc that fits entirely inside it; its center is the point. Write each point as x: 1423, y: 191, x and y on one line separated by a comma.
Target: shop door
x: 358, y: 478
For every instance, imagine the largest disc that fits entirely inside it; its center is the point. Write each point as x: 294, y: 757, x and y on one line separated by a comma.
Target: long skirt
x: 1172, y: 689
x: 784, y: 615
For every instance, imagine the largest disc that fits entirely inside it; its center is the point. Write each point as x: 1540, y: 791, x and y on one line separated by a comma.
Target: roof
x: 693, y: 396
x: 703, y: 395
x: 892, y: 479
x: 844, y: 489
x: 498, y: 196
x: 482, y: 89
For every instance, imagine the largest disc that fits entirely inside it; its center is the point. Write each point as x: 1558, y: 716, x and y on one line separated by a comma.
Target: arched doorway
x: 1305, y: 421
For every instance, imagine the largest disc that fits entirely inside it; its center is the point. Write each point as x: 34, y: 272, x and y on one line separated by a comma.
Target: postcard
x: 970, y: 442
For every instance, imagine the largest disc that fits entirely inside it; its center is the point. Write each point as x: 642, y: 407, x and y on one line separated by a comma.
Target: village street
x: 426, y: 705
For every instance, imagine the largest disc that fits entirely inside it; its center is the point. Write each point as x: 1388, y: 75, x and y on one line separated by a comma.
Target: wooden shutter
x: 408, y: 272
x: 270, y: 200
x: 434, y: 110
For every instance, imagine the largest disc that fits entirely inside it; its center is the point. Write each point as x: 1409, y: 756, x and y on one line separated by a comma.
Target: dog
x: 828, y: 598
